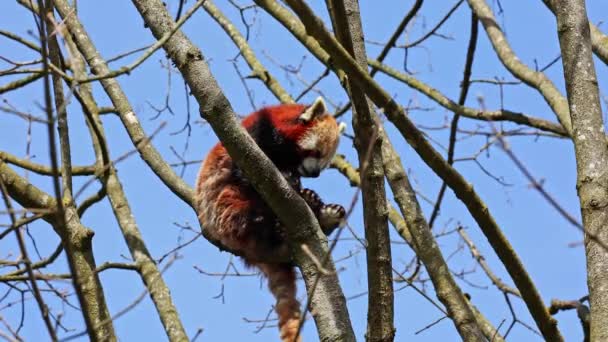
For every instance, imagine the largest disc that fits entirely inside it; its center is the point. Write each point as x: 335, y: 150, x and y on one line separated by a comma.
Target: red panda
x: 301, y: 141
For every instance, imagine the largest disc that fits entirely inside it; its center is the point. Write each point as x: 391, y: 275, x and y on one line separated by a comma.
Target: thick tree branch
x: 590, y: 151
x: 76, y: 238
x: 488, y: 329
x: 368, y: 143
x: 445, y: 280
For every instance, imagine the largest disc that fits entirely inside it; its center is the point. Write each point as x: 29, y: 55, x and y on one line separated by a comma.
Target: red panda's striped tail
x: 282, y: 284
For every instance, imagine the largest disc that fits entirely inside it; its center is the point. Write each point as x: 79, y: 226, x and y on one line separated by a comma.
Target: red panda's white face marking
x: 320, y: 142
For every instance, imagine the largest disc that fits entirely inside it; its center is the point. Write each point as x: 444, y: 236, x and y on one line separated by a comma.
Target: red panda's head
x: 303, y: 138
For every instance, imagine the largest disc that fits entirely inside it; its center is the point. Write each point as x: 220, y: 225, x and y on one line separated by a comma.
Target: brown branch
x: 20, y: 83
x: 590, y: 151
x: 471, y: 113
x: 380, y: 315
x: 43, y: 169
x: 464, y: 90
x: 93, y: 199
x: 582, y: 311
x: 436, y: 27
x: 563, y: 305
x: 39, y: 264
x: 481, y: 260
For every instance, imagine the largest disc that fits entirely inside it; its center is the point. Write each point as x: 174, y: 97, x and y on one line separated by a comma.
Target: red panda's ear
x: 316, y: 108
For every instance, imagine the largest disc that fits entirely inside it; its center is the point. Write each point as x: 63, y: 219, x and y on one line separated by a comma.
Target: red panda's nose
x: 314, y: 173
x: 309, y: 171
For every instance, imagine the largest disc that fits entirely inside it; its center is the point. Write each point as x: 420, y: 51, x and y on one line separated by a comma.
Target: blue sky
x: 539, y: 235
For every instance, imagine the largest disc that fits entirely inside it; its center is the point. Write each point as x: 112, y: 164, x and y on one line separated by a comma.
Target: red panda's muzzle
x: 311, y: 173
x: 310, y: 167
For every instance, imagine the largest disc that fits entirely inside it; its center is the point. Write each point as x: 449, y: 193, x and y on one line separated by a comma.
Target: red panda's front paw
x: 331, y: 217
x: 312, y: 199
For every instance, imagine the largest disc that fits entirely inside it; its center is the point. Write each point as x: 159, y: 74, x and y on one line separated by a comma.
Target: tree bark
x: 590, y: 150
x: 368, y: 142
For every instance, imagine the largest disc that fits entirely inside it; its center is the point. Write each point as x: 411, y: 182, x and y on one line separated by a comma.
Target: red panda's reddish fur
x: 300, y: 140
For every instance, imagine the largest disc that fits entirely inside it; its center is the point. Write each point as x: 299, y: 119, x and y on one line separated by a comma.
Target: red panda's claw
x: 311, y: 197
x: 332, y: 216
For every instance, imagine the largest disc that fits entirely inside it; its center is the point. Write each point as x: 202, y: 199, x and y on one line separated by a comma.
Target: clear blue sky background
x: 539, y: 235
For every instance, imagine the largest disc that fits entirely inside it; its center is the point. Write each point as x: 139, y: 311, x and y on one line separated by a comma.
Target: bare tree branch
x: 380, y: 314
x: 43, y: 169
x: 590, y: 151
x: 258, y: 70
x: 534, y: 79
x: 471, y: 113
